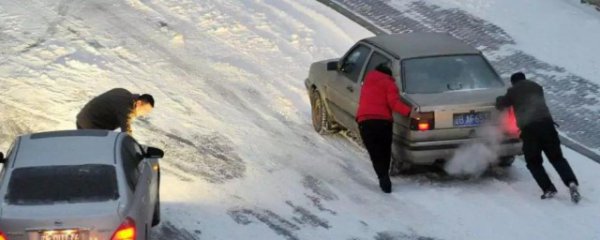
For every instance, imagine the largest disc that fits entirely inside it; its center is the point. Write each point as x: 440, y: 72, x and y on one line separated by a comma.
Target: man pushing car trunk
x: 538, y: 133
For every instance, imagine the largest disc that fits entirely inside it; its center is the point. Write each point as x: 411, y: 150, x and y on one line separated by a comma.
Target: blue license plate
x: 473, y: 119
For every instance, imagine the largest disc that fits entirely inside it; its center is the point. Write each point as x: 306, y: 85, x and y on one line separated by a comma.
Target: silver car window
x: 448, y: 73
x: 131, y: 158
x: 376, y: 60
x: 62, y: 184
x: 354, y: 62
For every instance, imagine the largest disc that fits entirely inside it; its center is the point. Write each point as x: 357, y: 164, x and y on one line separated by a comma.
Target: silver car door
x: 134, y: 167
x: 344, y: 89
x: 145, y: 205
x: 376, y: 58
x: 154, y: 176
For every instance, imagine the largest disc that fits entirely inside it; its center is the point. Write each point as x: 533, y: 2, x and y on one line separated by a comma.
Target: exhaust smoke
x: 475, y: 157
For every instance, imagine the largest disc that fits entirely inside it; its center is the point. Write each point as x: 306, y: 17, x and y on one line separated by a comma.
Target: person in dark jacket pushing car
x: 538, y: 133
x: 379, y: 97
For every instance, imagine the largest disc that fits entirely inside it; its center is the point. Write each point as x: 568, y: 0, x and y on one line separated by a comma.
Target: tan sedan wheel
x: 320, y: 118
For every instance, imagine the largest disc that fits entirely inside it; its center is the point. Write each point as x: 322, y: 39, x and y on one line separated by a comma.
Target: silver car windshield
x: 62, y: 184
x: 448, y: 73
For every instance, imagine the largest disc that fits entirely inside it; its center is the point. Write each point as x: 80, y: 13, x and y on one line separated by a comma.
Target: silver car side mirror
x: 152, y: 152
x: 332, y: 66
x: 347, y: 67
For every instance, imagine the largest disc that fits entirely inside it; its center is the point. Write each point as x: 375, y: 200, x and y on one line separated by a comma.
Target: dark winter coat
x: 527, y: 99
x: 379, y: 97
x: 111, y: 110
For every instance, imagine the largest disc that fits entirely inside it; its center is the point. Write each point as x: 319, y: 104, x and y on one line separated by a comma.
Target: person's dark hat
x: 147, y: 98
x: 384, y: 69
x: 517, y: 77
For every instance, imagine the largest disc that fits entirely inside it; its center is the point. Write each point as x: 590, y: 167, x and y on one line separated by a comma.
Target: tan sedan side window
x: 376, y: 59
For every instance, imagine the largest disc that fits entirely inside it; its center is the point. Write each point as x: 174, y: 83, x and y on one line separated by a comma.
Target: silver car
x: 79, y: 185
x: 450, y: 83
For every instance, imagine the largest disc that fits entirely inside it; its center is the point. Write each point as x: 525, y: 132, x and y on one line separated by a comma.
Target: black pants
x: 541, y: 137
x: 377, y: 137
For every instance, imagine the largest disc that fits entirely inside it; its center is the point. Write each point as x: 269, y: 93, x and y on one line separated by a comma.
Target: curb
x: 577, y: 147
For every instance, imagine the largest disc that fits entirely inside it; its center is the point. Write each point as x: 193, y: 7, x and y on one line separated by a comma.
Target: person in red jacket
x: 378, y: 99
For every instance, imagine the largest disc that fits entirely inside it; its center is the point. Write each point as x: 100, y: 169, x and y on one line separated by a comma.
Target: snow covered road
x: 242, y: 160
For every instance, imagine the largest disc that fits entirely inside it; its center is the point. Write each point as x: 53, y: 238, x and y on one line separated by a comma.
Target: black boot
x: 385, y: 184
x: 548, y: 194
x: 575, y: 196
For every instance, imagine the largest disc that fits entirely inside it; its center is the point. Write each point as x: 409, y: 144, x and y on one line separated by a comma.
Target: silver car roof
x: 73, y: 147
x: 421, y: 44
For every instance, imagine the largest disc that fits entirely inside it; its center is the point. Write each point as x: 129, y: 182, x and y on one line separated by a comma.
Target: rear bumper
x: 427, y: 153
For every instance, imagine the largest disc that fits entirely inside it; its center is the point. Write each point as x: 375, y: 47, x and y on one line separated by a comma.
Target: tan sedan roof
x: 421, y: 44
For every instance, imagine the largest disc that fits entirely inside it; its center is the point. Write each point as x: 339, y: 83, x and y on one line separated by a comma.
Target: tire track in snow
x: 211, y: 157
x: 273, y: 221
x: 166, y: 230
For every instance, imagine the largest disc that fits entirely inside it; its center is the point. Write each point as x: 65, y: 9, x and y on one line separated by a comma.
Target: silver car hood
x: 479, y: 97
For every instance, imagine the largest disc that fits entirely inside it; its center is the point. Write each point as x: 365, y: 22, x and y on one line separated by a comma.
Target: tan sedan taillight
x: 425, y: 123
x: 509, y: 123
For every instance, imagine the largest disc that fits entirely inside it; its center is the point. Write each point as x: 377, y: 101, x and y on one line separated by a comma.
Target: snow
x: 499, y: 207
x: 542, y: 27
x: 242, y: 160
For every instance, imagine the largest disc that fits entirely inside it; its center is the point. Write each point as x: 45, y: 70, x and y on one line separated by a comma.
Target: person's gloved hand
x: 415, y: 114
x: 500, y: 103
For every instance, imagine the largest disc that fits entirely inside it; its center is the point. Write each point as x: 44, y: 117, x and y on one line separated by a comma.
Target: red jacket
x: 379, y: 97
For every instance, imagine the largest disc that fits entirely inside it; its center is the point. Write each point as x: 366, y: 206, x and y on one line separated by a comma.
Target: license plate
x: 472, y: 119
x: 61, y: 235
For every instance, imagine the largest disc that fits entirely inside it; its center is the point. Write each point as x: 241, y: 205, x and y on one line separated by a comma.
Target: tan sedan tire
x: 321, y: 120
